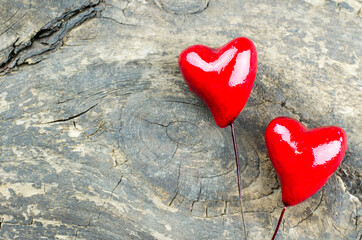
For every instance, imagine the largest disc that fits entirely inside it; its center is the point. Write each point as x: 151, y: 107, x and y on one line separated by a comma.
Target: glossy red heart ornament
x: 222, y: 78
x: 304, y: 159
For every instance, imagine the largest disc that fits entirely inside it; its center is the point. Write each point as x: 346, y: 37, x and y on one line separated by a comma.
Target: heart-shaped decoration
x: 304, y: 159
x: 222, y: 78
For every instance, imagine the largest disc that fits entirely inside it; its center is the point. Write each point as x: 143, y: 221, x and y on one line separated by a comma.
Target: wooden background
x: 100, y: 137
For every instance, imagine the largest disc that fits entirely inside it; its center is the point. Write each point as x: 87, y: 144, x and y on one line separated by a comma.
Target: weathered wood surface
x: 101, y: 139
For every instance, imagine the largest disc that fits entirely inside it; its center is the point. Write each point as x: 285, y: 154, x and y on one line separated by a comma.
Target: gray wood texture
x: 100, y: 137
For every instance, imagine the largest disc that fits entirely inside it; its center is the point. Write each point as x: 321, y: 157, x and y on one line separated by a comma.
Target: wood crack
x: 48, y: 37
x: 111, y: 195
x: 72, y: 117
x: 309, y: 215
x: 161, y: 5
x: 177, y: 190
x: 118, y: 22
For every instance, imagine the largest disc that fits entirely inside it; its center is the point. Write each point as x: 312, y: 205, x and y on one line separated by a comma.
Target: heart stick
x: 238, y: 174
x: 279, y: 222
x: 303, y: 158
x: 223, y: 79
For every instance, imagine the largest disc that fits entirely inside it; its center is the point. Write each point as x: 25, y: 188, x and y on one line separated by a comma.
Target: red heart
x: 304, y: 159
x: 222, y: 78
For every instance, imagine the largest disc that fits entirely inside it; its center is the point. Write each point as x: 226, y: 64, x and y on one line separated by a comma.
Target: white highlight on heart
x: 241, y: 69
x: 326, y: 152
x: 286, y: 136
x: 215, y: 66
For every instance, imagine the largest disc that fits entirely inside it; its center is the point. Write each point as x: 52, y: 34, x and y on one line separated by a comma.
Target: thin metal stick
x: 280, y: 220
x: 238, y: 173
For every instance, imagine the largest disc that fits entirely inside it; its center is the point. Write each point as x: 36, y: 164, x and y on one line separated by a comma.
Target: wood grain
x: 100, y: 138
